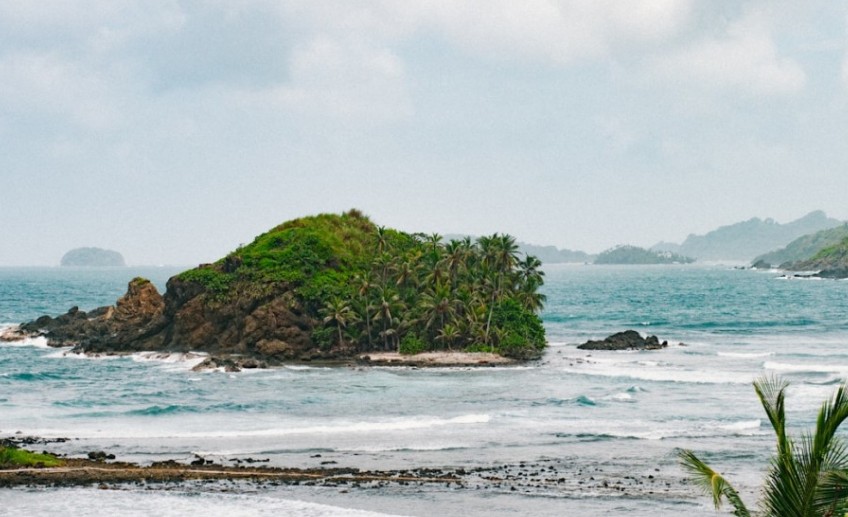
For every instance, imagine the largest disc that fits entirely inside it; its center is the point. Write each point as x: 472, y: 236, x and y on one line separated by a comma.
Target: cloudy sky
x: 174, y: 130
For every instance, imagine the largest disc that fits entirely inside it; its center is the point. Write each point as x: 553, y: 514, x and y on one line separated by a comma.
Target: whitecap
x: 745, y: 355
x: 805, y: 368
x: 178, y: 360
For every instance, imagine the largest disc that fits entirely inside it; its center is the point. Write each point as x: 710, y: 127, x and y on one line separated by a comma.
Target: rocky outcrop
x: 135, y: 317
x: 270, y: 328
x: 627, y: 340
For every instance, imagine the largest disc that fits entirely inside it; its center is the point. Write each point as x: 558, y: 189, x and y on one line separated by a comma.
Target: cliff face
x: 183, y: 320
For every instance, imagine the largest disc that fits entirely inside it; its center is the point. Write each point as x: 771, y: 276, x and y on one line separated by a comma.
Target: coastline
x: 545, y: 477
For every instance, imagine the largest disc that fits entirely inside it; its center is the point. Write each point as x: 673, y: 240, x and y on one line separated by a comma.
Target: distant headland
x: 92, y: 257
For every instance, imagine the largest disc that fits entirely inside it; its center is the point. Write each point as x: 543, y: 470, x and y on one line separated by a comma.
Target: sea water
x: 604, y: 415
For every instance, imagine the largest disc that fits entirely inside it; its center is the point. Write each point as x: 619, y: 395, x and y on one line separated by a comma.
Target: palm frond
x: 772, y: 394
x: 712, y: 483
x: 832, y: 492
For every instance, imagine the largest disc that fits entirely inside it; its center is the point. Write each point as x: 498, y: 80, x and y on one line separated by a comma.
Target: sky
x: 174, y: 131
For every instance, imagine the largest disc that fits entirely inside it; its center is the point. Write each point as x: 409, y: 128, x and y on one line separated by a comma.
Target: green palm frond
x: 807, y: 477
x: 713, y: 483
x: 772, y: 394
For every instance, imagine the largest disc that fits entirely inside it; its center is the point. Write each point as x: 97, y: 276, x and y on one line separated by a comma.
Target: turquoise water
x: 612, y: 414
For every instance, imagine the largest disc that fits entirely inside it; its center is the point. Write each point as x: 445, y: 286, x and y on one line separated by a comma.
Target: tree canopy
x: 374, y: 288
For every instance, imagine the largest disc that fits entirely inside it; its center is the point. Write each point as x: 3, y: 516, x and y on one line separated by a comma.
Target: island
x: 92, y: 257
x: 325, y: 287
x: 626, y: 254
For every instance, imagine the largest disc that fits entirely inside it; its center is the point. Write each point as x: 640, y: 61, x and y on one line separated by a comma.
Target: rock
x: 100, y: 456
x: 627, y: 340
x: 137, y: 314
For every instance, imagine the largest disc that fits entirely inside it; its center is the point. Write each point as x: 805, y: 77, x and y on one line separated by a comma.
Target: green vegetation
x: 804, y: 248
x: 808, y: 477
x: 832, y: 258
x: 374, y: 288
x: 11, y: 456
x: 626, y: 254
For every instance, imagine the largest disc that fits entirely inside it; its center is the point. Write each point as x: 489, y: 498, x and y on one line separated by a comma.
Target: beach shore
x: 445, y: 359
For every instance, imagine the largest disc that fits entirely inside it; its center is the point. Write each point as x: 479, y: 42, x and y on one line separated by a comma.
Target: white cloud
x: 48, y: 84
x: 743, y: 58
x: 344, y: 79
x: 558, y: 31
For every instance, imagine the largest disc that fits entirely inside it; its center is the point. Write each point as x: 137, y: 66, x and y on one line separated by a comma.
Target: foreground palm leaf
x: 806, y: 479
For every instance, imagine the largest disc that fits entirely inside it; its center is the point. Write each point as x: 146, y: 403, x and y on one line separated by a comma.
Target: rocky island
x: 632, y: 255
x: 92, y: 257
x: 627, y: 340
x: 326, y: 287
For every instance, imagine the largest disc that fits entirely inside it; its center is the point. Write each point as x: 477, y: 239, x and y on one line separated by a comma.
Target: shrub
x: 411, y: 344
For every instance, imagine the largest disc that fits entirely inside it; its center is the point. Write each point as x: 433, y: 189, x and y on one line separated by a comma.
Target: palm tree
x: 807, y: 478
x: 339, y: 312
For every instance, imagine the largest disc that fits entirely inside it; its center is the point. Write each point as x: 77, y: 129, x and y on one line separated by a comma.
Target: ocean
x: 607, y: 425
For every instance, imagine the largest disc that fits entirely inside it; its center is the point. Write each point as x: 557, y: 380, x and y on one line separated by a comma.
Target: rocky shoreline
x: 541, y: 477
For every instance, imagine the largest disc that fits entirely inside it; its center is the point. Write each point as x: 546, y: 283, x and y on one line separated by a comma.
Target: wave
x: 136, y: 502
x: 180, y: 361
x: 805, y: 368
x: 745, y: 355
x: 34, y: 342
x: 39, y: 376
x: 662, y: 430
x: 339, y: 427
x: 660, y: 374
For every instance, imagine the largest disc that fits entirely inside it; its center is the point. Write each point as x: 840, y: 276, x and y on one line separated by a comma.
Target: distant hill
x: 831, y: 262
x: 805, y: 247
x: 554, y: 255
x: 746, y: 240
x: 626, y: 254
x: 547, y: 254
x: 92, y: 257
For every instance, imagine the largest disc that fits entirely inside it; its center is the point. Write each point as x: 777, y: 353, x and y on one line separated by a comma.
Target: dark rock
x: 100, y: 456
x: 627, y: 340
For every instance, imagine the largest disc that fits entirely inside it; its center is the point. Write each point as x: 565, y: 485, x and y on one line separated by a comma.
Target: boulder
x: 627, y: 340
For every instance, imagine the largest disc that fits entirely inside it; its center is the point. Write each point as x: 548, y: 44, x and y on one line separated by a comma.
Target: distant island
x: 746, y: 240
x: 322, y: 288
x: 92, y: 257
x: 626, y: 254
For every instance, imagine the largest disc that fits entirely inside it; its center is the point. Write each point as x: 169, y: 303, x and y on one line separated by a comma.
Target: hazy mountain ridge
x: 804, y: 247
x: 748, y: 239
